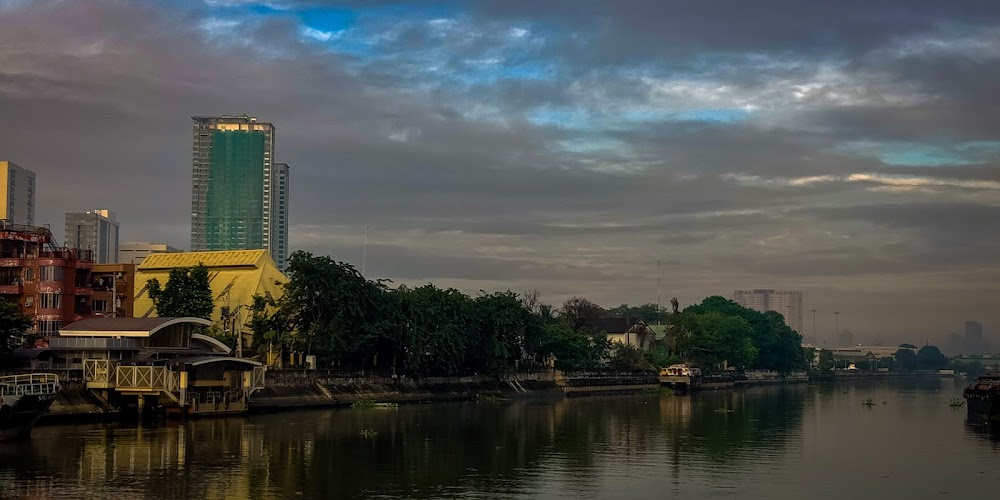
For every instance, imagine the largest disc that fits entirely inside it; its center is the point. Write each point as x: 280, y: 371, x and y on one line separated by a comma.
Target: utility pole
x: 658, y: 291
x: 836, y: 323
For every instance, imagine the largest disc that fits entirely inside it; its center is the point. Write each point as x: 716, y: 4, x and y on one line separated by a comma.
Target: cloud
x: 847, y: 149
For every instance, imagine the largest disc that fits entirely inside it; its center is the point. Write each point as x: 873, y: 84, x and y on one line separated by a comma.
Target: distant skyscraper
x: 279, y: 249
x: 973, y: 337
x: 239, y: 197
x: 134, y: 252
x: 96, y: 231
x: 788, y: 304
x: 17, y: 194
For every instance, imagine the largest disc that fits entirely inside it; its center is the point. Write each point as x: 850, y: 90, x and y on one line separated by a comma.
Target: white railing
x: 29, y: 384
x: 97, y: 370
x: 257, y: 378
x: 145, y: 378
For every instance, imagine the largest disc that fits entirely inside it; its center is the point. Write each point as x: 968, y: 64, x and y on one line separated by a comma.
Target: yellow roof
x: 225, y: 258
x: 235, y: 277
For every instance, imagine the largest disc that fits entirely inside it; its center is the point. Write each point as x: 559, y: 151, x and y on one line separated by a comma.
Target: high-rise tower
x: 235, y: 199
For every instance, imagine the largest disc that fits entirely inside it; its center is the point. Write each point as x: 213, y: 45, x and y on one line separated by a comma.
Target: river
x: 785, y: 442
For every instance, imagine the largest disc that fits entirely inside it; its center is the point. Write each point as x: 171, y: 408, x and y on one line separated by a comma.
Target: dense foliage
x: 329, y: 309
x: 13, y: 325
x: 187, y: 293
x: 719, y: 329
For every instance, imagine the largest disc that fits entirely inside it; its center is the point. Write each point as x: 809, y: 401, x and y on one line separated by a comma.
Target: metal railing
x: 29, y: 384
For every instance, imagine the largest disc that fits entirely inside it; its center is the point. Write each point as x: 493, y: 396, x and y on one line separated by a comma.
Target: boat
x: 982, y: 397
x: 23, y: 399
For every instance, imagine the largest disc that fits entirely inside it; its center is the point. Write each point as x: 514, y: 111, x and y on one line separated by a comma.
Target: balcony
x: 11, y: 262
x: 11, y: 289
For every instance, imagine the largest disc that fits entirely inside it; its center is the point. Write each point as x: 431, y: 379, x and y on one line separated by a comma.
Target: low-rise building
x: 139, y: 362
x: 627, y: 332
x: 114, y: 286
x: 50, y: 283
x: 235, y: 277
x: 134, y: 252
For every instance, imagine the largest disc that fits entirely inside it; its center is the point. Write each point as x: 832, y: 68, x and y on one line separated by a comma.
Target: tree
x: 186, y: 294
x: 13, y: 324
x: 580, y: 314
x: 345, y: 318
x: 931, y: 358
x: 826, y: 361
x: 650, y: 313
x: 778, y: 347
x: 627, y: 357
x: 906, y: 360
x: 713, y: 337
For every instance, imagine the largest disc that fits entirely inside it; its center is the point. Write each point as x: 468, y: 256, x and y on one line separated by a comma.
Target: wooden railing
x: 29, y: 384
x: 145, y: 378
x: 98, y: 370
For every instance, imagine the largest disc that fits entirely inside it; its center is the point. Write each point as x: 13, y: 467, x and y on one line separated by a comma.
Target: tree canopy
x: 187, y: 293
x: 13, y: 325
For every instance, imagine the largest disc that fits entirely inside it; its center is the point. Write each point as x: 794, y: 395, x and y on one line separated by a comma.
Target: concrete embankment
x: 290, y: 389
x: 315, y: 388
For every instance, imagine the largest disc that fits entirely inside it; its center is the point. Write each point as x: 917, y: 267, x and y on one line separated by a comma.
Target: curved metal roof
x: 125, y: 327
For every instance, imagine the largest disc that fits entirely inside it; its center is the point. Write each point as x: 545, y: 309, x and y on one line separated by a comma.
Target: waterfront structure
x: 786, y: 303
x: 239, y: 197
x: 17, y: 193
x: 235, y: 277
x: 156, y: 361
x: 973, y: 337
x: 113, y: 286
x: 134, y: 252
x: 52, y: 284
x: 95, y: 230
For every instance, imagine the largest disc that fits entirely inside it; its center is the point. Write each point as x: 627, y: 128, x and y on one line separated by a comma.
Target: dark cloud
x: 564, y: 146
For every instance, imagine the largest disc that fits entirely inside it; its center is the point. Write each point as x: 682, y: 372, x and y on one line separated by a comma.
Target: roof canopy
x: 125, y: 327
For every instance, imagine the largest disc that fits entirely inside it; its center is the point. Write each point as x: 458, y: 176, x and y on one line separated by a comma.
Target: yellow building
x: 234, y: 275
x: 17, y: 193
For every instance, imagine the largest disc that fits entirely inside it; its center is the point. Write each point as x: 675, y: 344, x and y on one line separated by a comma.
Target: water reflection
x: 428, y: 451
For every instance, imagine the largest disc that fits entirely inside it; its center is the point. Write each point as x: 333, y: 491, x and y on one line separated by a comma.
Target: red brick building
x: 51, y: 283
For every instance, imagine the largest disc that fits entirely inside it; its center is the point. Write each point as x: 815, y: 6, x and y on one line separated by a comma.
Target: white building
x: 786, y: 303
x: 134, y: 252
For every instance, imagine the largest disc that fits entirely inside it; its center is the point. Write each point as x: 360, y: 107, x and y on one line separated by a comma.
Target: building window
x: 29, y: 301
x: 100, y: 305
x: 47, y: 326
x: 29, y: 274
x: 50, y: 273
x: 50, y: 301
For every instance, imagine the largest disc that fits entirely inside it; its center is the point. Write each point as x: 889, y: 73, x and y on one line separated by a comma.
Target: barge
x: 23, y: 399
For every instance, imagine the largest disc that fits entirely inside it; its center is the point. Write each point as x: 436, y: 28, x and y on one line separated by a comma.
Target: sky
x: 846, y: 149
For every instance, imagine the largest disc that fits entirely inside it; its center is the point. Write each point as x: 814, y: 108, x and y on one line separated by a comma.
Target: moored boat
x: 982, y: 398
x: 24, y: 398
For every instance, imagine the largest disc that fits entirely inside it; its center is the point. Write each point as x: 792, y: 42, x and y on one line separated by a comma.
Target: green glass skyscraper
x: 239, y: 198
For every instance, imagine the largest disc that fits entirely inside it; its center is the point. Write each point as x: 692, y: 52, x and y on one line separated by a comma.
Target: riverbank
x: 300, y: 389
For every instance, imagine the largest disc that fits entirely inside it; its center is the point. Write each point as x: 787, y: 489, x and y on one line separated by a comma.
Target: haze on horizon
x: 845, y: 149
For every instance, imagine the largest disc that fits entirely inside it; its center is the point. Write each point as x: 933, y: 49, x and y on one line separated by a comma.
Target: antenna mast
x: 364, y: 251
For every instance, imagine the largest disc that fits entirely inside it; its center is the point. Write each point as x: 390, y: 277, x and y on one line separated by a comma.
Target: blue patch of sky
x: 912, y: 154
x: 579, y: 118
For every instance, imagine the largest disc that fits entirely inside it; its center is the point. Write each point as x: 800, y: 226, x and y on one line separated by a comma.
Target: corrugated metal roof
x: 232, y: 284
x: 225, y: 258
x: 121, y: 324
